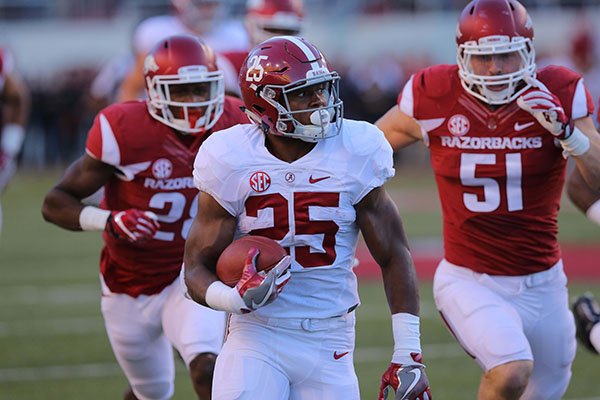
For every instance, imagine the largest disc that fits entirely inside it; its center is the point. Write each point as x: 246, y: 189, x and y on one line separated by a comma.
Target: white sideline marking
x: 83, y: 371
x: 51, y: 327
x: 50, y: 295
x: 53, y: 372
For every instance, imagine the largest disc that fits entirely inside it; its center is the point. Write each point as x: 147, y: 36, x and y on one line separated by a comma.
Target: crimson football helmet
x: 491, y: 27
x: 183, y: 60
x: 275, y: 69
x: 268, y: 18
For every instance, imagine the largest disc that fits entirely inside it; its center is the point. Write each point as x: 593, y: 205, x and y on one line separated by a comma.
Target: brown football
x: 231, y: 261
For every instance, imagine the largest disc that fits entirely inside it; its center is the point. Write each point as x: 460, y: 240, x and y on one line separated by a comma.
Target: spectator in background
x: 202, y: 18
x: 15, y: 105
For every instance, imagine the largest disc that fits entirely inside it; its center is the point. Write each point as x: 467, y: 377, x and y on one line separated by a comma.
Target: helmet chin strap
x: 320, y: 124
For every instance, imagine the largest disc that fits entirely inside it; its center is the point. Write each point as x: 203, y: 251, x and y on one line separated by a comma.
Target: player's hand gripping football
x: 258, y: 289
x: 132, y: 225
x: 546, y: 108
x: 405, y: 381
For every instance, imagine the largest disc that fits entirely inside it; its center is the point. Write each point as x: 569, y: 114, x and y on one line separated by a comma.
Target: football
x: 231, y: 261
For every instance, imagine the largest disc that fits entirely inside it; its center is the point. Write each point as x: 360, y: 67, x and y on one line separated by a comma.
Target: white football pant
x: 499, y: 319
x: 142, y: 330
x: 287, y: 358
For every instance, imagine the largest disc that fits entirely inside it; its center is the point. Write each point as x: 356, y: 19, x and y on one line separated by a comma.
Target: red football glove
x: 407, y: 381
x: 546, y: 108
x: 258, y: 289
x: 132, y: 225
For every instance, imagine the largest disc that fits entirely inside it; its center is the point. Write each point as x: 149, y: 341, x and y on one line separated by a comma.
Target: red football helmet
x: 491, y: 27
x: 278, y: 67
x: 183, y: 60
x: 268, y: 18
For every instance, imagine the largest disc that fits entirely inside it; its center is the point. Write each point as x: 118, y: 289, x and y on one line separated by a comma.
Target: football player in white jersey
x: 304, y: 176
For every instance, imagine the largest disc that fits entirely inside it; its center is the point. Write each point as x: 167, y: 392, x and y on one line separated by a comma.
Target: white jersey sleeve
x: 369, y: 145
x: 215, y: 174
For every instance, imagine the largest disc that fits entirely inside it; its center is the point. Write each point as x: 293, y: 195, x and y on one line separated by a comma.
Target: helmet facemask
x: 187, y: 117
x: 481, y: 86
x: 326, y: 121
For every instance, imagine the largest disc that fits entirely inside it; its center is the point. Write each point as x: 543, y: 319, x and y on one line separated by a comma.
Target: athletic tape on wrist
x: 407, y: 336
x: 93, y: 218
x: 13, y: 136
x: 221, y: 297
x: 593, y: 212
x: 576, y: 144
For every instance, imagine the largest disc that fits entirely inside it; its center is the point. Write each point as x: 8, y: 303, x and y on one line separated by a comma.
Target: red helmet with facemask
x: 275, y: 69
x: 183, y: 60
x: 491, y: 28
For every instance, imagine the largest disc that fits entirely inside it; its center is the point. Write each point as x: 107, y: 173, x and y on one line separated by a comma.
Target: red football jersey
x: 236, y: 58
x: 155, y: 174
x: 499, y: 173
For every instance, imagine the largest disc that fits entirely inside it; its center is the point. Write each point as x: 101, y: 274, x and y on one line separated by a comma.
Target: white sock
x: 595, y: 336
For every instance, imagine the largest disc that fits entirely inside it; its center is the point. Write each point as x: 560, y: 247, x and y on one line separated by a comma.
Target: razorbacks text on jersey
x: 155, y: 174
x: 306, y: 205
x: 499, y: 172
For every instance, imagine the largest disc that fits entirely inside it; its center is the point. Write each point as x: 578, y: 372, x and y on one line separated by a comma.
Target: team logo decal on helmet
x: 277, y: 68
x: 162, y: 168
x: 459, y: 125
x: 260, y: 181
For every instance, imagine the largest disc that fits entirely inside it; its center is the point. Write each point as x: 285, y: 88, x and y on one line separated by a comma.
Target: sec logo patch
x: 162, y: 168
x: 260, y: 181
x: 459, y: 125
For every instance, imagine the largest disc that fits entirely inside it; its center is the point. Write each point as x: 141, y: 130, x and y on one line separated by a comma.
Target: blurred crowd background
x: 61, y: 45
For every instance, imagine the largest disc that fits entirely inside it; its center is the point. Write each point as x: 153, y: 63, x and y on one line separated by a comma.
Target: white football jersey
x: 228, y: 35
x: 306, y: 205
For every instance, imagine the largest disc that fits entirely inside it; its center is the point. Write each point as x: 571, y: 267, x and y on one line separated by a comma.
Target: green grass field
x: 52, y: 339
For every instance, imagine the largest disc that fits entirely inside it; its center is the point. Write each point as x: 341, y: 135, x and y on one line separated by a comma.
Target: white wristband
x: 577, y: 144
x: 407, y: 334
x: 13, y: 136
x: 221, y: 297
x: 93, y: 218
x: 593, y: 212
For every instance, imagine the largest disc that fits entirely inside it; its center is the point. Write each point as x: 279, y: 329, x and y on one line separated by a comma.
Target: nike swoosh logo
x: 519, y: 127
x: 417, y: 373
x: 315, y: 180
x: 340, y: 355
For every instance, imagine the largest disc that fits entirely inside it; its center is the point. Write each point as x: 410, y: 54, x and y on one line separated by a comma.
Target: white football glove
x: 546, y: 108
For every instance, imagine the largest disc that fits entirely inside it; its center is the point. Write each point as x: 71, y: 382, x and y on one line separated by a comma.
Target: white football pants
x: 142, y: 330
x: 498, y: 319
x: 287, y: 358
